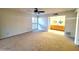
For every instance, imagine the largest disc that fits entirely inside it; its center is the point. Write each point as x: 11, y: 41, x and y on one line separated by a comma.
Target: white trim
x: 76, y: 31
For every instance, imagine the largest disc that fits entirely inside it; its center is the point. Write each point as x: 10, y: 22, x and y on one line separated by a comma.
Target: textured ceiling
x: 55, y: 10
x: 47, y: 10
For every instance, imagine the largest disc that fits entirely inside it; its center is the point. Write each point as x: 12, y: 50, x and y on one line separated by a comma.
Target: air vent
x: 68, y: 33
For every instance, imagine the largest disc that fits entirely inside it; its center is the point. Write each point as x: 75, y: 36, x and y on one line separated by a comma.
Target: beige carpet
x: 37, y: 41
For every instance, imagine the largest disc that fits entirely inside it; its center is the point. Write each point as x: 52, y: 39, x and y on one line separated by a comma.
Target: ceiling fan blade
x: 41, y: 11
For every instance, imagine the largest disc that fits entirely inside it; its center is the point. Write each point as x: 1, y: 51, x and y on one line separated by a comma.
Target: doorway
x: 57, y: 24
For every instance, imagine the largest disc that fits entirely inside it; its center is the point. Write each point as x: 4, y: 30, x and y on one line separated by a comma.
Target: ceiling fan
x: 38, y: 11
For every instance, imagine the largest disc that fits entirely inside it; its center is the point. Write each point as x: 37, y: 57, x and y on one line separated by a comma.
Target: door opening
x: 57, y: 24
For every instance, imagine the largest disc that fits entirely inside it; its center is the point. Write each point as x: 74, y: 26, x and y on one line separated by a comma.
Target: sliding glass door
x: 40, y: 23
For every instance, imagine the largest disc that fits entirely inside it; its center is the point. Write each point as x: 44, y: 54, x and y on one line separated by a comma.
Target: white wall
x: 13, y: 23
x: 70, y: 24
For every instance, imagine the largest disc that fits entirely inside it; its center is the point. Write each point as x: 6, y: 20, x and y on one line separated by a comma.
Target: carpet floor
x: 38, y: 41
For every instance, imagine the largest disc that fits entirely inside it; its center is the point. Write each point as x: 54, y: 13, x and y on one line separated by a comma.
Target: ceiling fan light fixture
x: 36, y: 11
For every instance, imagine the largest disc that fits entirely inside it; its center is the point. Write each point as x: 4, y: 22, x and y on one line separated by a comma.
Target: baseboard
x: 15, y: 35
